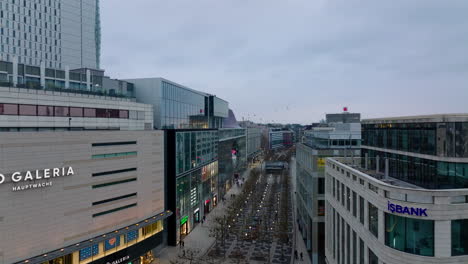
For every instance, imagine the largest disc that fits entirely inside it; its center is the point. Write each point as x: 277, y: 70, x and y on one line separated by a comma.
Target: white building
x: 54, y: 33
x: 405, y: 200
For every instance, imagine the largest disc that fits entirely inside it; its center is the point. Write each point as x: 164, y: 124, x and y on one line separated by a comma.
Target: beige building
x: 81, y: 196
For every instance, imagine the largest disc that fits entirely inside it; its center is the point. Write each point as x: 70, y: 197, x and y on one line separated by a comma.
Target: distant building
x: 320, y: 141
x: 280, y: 138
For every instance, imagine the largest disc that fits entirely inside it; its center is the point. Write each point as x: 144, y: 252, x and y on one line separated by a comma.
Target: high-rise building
x: 405, y: 199
x: 341, y: 136
x: 52, y: 33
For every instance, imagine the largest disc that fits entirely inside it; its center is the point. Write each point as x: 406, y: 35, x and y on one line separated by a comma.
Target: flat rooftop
x: 436, y: 118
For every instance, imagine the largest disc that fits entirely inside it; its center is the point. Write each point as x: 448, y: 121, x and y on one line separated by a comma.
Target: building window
x: 343, y: 195
x: 27, y: 110
x: 112, y: 243
x: 361, y: 251
x: 410, y: 235
x: 373, y: 220
x: 354, y: 248
x: 361, y: 210
x: 123, y: 114
x: 459, y: 237
x: 61, y: 111
x: 354, y: 204
x: 321, y: 207
x: 113, y: 155
x: 90, y: 112
x: 8, y: 109
x: 45, y: 110
x: 373, y: 259
x: 321, y: 185
x: 88, y: 252
x: 348, y: 196
x: 115, y: 210
x: 132, y: 235
x: 76, y: 111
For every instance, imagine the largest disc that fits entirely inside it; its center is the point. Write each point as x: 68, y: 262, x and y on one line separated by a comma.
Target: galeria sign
x: 34, y: 175
x: 396, y: 208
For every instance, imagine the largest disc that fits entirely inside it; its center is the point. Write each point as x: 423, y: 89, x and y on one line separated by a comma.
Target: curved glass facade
x: 410, y: 235
x: 426, y: 173
x: 445, y: 139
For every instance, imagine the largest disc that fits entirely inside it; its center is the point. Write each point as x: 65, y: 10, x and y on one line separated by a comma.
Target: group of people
x: 296, y: 257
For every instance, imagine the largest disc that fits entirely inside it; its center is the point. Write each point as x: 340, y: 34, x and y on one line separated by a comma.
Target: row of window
x: 345, y: 238
x: 410, y: 235
x: 114, y: 155
x: 62, y: 111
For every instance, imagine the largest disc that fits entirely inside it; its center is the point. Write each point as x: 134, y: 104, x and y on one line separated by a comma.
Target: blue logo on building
x: 396, y: 208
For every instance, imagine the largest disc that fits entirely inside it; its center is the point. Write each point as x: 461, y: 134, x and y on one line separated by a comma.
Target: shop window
x: 132, y: 235
x: 410, y: 235
x: 102, y: 113
x: 112, y: 243
x: 88, y: 252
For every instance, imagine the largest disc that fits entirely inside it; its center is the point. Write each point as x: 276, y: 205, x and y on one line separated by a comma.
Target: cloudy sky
x: 292, y: 61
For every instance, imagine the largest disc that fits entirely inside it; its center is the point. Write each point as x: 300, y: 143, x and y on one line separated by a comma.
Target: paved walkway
x: 199, y: 239
x: 299, y: 244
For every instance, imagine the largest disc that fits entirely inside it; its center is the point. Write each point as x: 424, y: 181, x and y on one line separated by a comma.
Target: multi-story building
x: 178, y: 107
x: 405, y: 199
x: 52, y: 33
x: 253, y: 141
x: 280, y: 138
x: 86, y: 168
x: 328, y: 140
x: 191, y: 178
x: 190, y: 120
x: 232, y: 158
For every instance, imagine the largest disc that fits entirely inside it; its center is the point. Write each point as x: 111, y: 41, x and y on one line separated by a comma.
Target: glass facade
x: 410, y: 235
x: 426, y: 173
x: 195, y: 148
x: 182, y: 108
x: 459, y: 237
x: 195, y: 191
x: 445, y: 139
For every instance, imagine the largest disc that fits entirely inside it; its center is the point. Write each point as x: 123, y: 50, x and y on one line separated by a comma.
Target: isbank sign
x: 33, y: 179
x: 396, y: 208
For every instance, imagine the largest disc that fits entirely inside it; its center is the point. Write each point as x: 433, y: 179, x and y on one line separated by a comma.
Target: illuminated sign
x: 396, y: 208
x: 35, y: 175
x: 120, y: 260
x: 320, y: 162
x: 183, y: 220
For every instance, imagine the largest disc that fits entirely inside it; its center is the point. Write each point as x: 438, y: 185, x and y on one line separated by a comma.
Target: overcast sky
x: 292, y: 61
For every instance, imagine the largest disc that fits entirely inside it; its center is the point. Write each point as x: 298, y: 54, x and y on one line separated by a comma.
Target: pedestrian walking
x: 180, y: 244
x: 295, y: 254
x: 302, y: 259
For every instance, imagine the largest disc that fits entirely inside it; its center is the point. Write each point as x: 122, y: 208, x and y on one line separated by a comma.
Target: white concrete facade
x: 140, y: 115
x: 77, y: 207
x: 349, y: 193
